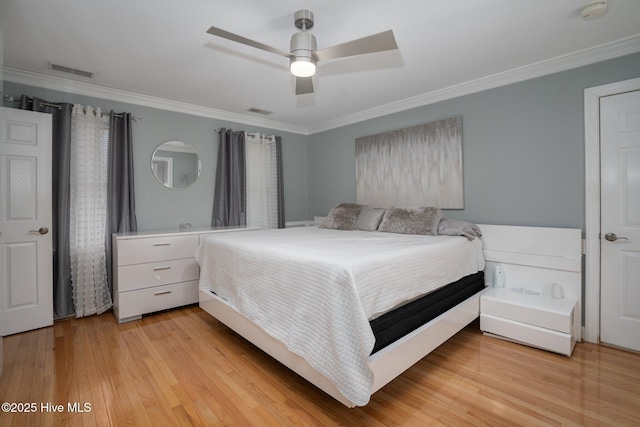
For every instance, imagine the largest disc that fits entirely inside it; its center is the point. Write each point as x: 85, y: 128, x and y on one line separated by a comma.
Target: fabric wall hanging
x: 415, y: 166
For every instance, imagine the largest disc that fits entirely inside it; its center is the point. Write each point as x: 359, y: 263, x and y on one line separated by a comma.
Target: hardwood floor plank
x: 113, y: 389
x: 183, y: 367
x: 10, y: 378
x: 207, y: 416
x: 97, y: 375
x: 139, y: 394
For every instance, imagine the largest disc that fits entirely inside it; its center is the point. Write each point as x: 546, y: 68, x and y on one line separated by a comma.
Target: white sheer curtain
x: 261, y: 181
x: 88, y: 211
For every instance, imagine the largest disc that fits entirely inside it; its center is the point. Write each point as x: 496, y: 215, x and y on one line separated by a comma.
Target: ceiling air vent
x: 70, y: 70
x: 259, y: 111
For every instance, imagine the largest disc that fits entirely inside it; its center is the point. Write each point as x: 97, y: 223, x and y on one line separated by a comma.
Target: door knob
x: 611, y: 237
x: 41, y: 230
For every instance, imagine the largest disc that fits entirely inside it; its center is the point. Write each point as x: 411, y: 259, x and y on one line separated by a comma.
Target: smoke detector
x: 594, y: 10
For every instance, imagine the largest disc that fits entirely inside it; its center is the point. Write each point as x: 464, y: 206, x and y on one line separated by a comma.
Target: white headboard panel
x: 534, y: 258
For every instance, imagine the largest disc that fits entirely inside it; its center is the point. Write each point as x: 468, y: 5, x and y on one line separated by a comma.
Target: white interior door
x: 620, y: 220
x: 26, y: 265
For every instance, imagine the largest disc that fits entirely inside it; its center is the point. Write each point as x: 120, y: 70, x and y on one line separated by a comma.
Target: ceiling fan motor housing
x: 303, y: 44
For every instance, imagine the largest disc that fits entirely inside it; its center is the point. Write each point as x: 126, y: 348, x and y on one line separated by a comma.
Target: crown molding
x: 577, y: 59
x: 45, y: 81
x: 581, y: 58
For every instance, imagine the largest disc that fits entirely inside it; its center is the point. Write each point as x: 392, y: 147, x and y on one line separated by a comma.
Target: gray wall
x: 159, y: 207
x: 523, y: 148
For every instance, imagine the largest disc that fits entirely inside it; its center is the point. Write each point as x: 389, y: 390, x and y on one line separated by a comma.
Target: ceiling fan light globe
x: 302, y: 67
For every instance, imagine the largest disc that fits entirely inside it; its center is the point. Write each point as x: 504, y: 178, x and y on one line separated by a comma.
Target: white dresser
x: 156, y: 270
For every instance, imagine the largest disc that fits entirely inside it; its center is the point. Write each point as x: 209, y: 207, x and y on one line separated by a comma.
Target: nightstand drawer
x: 136, y: 251
x: 131, y: 277
x: 136, y: 303
x: 530, y: 335
x: 542, y: 311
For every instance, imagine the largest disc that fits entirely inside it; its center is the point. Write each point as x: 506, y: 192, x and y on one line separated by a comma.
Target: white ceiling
x: 160, y: 49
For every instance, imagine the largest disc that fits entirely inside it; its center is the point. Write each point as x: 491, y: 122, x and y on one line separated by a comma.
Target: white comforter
x: 315, y: 289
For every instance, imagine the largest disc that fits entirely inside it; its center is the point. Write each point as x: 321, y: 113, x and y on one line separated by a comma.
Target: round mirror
x: 176, y: 164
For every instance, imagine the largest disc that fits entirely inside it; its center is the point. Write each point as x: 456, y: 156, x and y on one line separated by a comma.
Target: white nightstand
x: 534, y: 320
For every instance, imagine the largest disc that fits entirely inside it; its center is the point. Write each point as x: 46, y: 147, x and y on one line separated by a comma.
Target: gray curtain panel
x: 229, y: 205
x: 121, y: 206
x: 61, y: 157
x: 281, y: 221
x: 121, y: 203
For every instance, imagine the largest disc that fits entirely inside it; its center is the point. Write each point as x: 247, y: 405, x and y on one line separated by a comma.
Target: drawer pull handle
x: 162, y: 244
x: 162, y: 293
x: 166, y: 267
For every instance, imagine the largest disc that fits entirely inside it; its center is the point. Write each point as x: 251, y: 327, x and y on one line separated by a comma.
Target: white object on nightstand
x: 556, y: 291
x: 535, y: 320
x: 156, y: 270
x: 498, y: 276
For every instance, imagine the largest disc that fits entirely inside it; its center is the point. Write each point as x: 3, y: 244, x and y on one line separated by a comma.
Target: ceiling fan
x: 304, y: 56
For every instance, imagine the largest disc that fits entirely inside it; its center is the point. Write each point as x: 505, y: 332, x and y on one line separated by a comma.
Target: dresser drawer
x: 131, y: 277
x: 148, y: 300
x: 136, y: 251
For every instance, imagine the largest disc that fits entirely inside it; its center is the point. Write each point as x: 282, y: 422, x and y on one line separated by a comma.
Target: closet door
x: 26, y: 265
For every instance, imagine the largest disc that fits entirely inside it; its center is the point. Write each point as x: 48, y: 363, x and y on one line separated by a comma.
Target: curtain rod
x: 270, y: 137
x: 256, y: 135
x: 9, y: 98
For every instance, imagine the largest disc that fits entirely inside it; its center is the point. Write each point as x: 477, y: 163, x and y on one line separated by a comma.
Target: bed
x: 312, y: 298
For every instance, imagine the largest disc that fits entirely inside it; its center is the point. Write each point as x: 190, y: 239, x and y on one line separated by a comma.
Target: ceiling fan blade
x: 370, y: 44
x: 236, y: 38
x: 304, y: 85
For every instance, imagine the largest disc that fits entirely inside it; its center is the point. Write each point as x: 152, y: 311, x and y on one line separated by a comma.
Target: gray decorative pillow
x: 369, y: 218
x: 422, y: 220
x: 342, y: 217
x: 456, y: 227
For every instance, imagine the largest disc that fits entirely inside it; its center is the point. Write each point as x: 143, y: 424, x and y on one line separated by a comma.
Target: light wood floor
x: 184, y: 368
